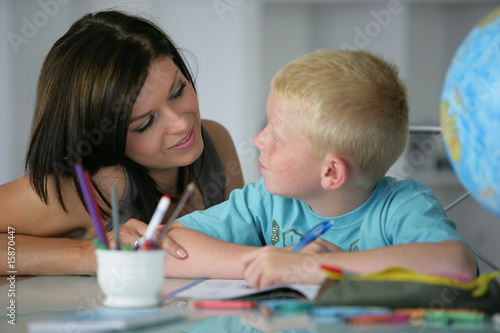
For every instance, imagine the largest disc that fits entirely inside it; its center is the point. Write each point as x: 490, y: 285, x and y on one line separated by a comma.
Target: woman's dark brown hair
x: 87, y: 87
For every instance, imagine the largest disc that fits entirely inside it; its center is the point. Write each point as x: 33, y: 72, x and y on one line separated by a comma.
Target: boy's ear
x: 334, y: 173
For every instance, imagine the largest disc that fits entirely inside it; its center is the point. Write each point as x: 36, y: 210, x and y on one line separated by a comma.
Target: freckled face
x: 165, y: 127
x: 286, y: 162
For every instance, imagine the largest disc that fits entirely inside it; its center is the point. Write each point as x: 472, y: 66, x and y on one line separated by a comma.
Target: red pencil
x: 224, y: 304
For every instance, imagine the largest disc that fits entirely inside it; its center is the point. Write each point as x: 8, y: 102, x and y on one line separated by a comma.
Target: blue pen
x: 344, y: 312
x: 312, y: 235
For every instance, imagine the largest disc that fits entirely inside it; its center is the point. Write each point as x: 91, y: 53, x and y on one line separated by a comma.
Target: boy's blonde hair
x: 352, y: 104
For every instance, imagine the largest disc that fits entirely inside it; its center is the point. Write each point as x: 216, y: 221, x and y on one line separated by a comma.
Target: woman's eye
x: 179, y: 90
x: 147, y: 124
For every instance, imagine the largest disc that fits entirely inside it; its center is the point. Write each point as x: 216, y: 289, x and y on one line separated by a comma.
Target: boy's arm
x: 268, y: 266
x: 207, y: 256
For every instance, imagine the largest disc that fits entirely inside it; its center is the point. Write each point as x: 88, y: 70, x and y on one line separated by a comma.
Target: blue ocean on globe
x: 470, y: 112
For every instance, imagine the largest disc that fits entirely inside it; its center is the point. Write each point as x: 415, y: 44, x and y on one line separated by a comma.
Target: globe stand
x: 457, y: 201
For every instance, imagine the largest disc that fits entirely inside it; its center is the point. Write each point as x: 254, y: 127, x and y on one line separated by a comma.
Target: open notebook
x: 239, y: 289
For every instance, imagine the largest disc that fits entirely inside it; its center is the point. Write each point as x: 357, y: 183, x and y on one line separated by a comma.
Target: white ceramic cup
x: 130, y: 279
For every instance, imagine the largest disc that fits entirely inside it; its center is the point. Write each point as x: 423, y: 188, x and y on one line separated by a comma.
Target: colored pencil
x: 184, y: 197
x: 157, y: 217
x: 91, y: 203
x: 115, y: 216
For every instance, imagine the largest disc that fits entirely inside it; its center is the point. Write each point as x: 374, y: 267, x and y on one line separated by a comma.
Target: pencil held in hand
x: 312, y: 235
x: 157, y: 218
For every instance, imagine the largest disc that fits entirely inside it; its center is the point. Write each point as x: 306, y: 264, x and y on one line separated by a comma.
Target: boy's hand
x: 268, y: 266
x: 134, y: 229
x: 321, y: 246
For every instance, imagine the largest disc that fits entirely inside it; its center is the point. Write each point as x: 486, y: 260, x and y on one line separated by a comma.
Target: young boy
x: 337, y: 120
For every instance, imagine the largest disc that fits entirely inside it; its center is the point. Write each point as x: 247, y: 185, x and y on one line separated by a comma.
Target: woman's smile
x: 186, y: 142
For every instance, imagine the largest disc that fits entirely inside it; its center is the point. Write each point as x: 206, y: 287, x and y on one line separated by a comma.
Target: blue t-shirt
x: 398, y: 212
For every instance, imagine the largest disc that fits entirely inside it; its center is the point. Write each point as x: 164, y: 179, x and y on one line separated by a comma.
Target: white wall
x: 6, y: 165
x: 240, y: 44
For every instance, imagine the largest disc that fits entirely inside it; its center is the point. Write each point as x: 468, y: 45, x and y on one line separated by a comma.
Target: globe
x: 470, y: 112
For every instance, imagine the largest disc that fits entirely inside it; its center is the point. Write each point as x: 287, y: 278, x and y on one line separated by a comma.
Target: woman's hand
x: 130, y: 231
x: 173, y: 248
x: 134, y: 229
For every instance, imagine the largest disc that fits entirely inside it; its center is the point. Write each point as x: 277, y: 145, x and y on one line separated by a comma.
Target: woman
x: 115, y: 96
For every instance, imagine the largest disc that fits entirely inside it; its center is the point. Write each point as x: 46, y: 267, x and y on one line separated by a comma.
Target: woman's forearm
x: 46, y: 256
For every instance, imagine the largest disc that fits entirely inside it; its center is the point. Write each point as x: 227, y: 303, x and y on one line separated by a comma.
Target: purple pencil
x: 91, y: 204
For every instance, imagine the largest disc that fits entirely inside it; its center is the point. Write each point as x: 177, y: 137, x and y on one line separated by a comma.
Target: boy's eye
x: 179, y: 90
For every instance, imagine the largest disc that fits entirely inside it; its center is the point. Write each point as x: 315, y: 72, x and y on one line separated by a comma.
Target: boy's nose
x: 261, y: 139
x: 258, y: 140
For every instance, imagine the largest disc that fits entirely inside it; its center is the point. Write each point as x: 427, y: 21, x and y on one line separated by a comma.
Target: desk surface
x: 46, y: 297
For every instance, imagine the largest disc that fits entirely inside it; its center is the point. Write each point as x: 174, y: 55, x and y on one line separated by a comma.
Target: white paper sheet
x: 228, y: 289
